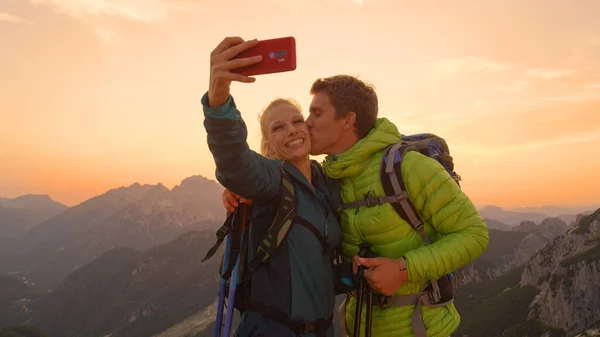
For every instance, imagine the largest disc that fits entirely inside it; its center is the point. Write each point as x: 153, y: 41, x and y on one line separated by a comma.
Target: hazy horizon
x: 97, y: 95
x: 583, y: 207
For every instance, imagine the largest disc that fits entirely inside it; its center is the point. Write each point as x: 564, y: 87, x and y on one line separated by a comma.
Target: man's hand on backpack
x: 231, y: 200
x: 383, y: 274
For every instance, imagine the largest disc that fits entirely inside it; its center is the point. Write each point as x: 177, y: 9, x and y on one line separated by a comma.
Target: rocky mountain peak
x: 588, y: 224
x: 552, y: 227
x: 195, y: 186
x: 32, y: 201
x: 526, y: 226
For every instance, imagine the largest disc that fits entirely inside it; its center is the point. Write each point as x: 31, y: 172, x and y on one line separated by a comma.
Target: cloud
x: 135, y: 10
x: 547, y: 73
x: 96, y: 12
x: 576, y: 96
x: 582, y: 137
x: 592, y: 86
x: 5, y: 17
x: 540, y: 125
x: 449, y: 68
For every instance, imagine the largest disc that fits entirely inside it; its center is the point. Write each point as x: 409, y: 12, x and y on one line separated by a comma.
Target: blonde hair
x: 264, y: 143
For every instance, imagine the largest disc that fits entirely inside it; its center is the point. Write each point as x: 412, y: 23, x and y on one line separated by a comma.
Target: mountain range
x: 128, y: 263
x: 20, y: 214
x: 535, y: 214
x: 137, y: 216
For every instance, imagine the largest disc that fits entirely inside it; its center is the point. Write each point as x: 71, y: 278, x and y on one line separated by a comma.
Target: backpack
x: 235, y: 267
x: 434, y: 147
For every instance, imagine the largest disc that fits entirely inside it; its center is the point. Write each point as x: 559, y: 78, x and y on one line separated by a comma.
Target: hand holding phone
x: 236, y: 60
x: 222, y: 64
x: 278, y: 55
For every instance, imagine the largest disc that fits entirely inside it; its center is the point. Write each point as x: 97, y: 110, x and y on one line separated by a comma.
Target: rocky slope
x: 554, y: 294
x: 568, y: 274
x: 510, y: 249
x: 128, y: 293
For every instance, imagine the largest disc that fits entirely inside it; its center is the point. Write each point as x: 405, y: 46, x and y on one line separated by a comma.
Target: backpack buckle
x: 400, y: 197
x: 434, y: 296
x: 310, y: 327
x: 383, y: 300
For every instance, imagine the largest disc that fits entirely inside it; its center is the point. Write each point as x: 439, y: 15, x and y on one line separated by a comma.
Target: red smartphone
x: 279, y: 55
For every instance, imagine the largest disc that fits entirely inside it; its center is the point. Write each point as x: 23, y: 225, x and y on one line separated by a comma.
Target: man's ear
x: 350, y: 120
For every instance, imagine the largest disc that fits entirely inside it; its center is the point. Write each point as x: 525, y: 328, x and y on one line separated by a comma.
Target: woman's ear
x: 270, y: 152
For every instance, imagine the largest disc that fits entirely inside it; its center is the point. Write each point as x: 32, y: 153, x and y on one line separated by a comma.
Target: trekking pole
x: 234, y: 277
x: 369, y: 314
x: 222, y: 286
x: 359, y: 298
x: 364, y: 251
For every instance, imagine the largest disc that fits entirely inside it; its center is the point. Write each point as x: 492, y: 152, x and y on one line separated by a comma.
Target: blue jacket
x: 299, y: 280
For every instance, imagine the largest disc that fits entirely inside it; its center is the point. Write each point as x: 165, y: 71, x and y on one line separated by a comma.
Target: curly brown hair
x: 347, y: 93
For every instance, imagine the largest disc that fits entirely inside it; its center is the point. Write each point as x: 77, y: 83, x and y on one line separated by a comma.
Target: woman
x: 297, y: 284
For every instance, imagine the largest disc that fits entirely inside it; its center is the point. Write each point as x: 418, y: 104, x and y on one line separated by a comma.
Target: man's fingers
x: 230, y: 207
x: 370, y: 277
x: 355, y: 264
x: 233, y: 51
x: 227, y: 43
x: 232, y: 200
x: 229, y: 202
x: 369, y: 262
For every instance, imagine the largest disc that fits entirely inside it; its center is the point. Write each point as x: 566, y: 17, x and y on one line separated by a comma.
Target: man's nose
x: 309, y: 122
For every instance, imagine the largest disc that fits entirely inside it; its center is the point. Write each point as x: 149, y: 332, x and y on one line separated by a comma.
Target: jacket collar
x: 353, y: 162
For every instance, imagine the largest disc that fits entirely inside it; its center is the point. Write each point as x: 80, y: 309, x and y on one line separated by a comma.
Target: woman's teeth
x: 295, y: 142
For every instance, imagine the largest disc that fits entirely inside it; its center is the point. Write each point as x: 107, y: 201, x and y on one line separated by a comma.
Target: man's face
x: 325, y: 130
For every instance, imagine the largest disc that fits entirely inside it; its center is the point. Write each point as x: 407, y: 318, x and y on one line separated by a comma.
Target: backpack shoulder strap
x: 232, y: 225
x: 393, y: 184
x: 281, y: 225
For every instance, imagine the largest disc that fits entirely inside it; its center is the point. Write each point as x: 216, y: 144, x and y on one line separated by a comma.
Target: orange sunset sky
x: 100, y: 94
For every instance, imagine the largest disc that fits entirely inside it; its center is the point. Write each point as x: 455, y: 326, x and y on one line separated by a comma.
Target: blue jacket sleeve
x: 239, y: 169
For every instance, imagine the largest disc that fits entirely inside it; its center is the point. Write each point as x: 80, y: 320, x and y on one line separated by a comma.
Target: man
x: 344, y: 125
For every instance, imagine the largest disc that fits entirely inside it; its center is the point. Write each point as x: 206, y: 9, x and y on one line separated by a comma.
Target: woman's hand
x: 222, y: 62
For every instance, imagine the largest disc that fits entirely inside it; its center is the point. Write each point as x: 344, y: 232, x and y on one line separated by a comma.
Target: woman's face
x: 287, y: 133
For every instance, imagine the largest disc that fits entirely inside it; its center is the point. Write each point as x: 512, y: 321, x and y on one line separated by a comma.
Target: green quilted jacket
x: 458, y: 232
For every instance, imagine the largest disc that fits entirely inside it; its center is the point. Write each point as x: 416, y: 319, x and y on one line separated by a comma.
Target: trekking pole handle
x: 365, y: 251
x: 245, y: 208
